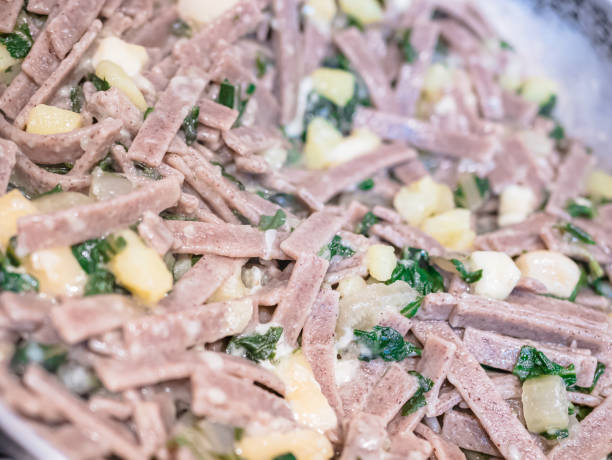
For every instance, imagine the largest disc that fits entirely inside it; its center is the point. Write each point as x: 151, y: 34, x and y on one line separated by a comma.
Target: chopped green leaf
x: 92, y: 256
x: 503, y: 44
x: 251, y: 89
x: 51, y: 357
x: 337, y: 61
x: 602, y: 288
x: 547, y: 108
x: 367, y: 184
x: 257, y: 347
x: 287, y: 456
x: 77, y: 98
x: 11, y: 252
x: 467, y: 276
x: 56, y: 189
x: 62, y: 168
x: 599, y: 371
x: 273, y: 222
x: 533, y: 363
x: 242, y: 103
x: 576, y: 233
x: 418, y: 399
x: 106, y: 164
x: 415, y: 269
x: 18, y: 43
x: 190, y: 125
x: 99, y: 83
x: 17, y: 282
x: 148, y: 112
x: 147, y: 171
x: 227, y: 95
x: 368, y: 220
x: 336, y: 248
x: 582, y: 412
x: 284, y: 200
x: 558, y: 133
x: 170, y: 216
x: 100, y: 282
x: 180, y: 28
x: 228, y: 176
x: 582, y: 208
x: 412, y: 308
x: 385, y: 343
x: 482, y: 185
x: 261, y: 63
x: 409, y: 52
x: 555, y: 434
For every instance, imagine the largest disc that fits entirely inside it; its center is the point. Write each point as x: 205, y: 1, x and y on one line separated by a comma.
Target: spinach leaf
x: 385, y: 343
x: 558, y: 133
x: 336, y: 248
x: 190, y: 125
x: 368, y: 220
x: 272, y: 222
x: 583, y: 208
x: 180, y: 28
x: 547, y: 108
x: 18, y: 43
x: 599, y: 370
x: 503, y: 44
x: 367, y: 184
x: 56, y: 189
x: 169, y: 216
x: 148, y: 112
x: 11, y: 280
x: 242, y: 103
x: 483, y: 186
x: 62, y: 168
x: 409, y: 52
x: 467, y: 276
x: 415, y: 269
x: 418, y: 399
x: 92, y: 256
x: 337, y: 61
x: 261, y: 64
x: 555, y: 434
x: 100, y: 282
x: 284, y: 200
x: 99, y: 83
x: 576, y: 233
x: 533, y: 363
x: 147, y: 171
x: 51, y: 357
x: 228, y: 176
x: 257, y: 347
x: 227, y: 94
x: 77, y: 98
x: 287, y: 456
x: 602, y: 288
x: 582, y: 411
x: 412, y: 308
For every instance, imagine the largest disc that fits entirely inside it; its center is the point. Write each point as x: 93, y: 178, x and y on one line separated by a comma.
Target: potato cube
x: 13, y: 205
x: 360, y: 142
x: 303, y: 444
x: 232, y: 288
x: 539, y: 89
x: 321, y: 138
x: 557, y: 272
x: 117, y: 78
x: 599, y: 185
x: 57, y: 271
x: 381, y: 261
x: 515, y: 205
x: 437, y: 80
x: 140, y: 269
x: 499, y: 274
x: 350, y: 285
x: 365, y: 11
x: 203, y: 11
x: 545, y: 404
x: 46, y: 119
x: 61, y: 200
x: 422, y: 199
x: 321, y: 11
x: 131, y: 58
x: 334, y: 84
x: 451, y: 229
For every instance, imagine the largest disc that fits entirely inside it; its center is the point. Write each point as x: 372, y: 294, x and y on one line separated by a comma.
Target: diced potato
x: 303, y: 444
x: 539, y: 89
x: 537, y: 142
x: 437, y: 80
x: 140, y: 269
x: 57, y: 271
x: 334, y: 84
x: 231, y: 289
x: 107, y: 185
x: 381, y: 261
x: 13, y: 205
x: 599, y: 185
x: 61, y: 200
x: 515, y: 204
x: 545, y: 404
x: 131, y: 58
x: 321, y: 11
x: 321, y: 138
x: 203, y: 11
x: 117, y: 78
x: 304, y: 395
x: 238, y: 315
x: 365, y: 11
x: 275, y: 156
x: 499, y: 274
x: 360, y: 142
x: 451, y: 229
x: 557, y: 272
x: 46, y: 119
x: 422, y: 199
x: 350, y: 285
x: 6, y: 60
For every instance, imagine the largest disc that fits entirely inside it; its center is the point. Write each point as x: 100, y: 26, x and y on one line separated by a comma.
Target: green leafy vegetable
x: 503, y: 44
x: 18, y: 43
x: 555, y: 434
x: 287, y: 456
x: 227, y: 94
x: 576, y: 233
x: 582, y: 411
x: 242, y: 103
x: 149, y: 111
x: 368, y: 220
x: 180, y: 28
x: 92, y: 256
x: 558, y: 133
x: 385, y: 343
x: 51, y: 357
x: 467, y: 276
x: 409, y: 52
x: 261, y: 64
x: 11, y: 280
x: 367, y: 184
x: 100, y: 282
x: 336, y: 248
x: 56, y: 189
x: 418, y: 399
x: 62, y: 168
x: 228, y: 176
x: 599, y: 370
x: 547, y: 108
x: 77, y: 98
x: 257, y: 347
x: 583, y: 208
x: 147, y: 171
x: 602, y: 288
x: 272, y: 222
x: 170, y: 216
x: 284, y: 200
x: 337, y: 61
x: 482, y: 185
x: 99, y: 83
x: 415, y: 269
x: 412, y: 308
x: 533, y: 363
x: 190, y: 125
